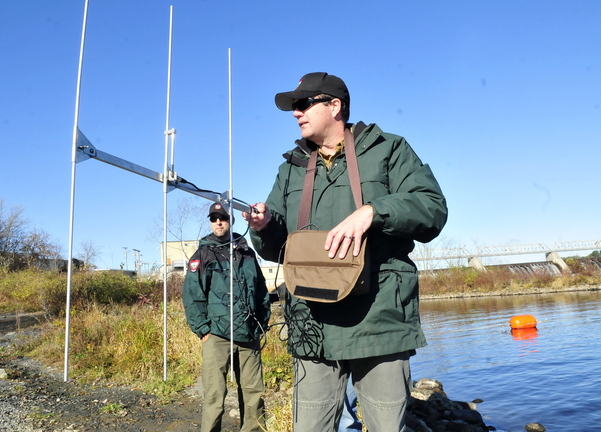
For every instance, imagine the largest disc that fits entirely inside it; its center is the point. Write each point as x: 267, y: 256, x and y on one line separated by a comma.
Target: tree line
x: 23, y: 246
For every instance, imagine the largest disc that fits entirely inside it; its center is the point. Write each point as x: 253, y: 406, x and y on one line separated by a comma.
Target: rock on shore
x: 430, y: 410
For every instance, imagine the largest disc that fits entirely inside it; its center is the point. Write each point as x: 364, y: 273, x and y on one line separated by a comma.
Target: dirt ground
x: 34, y: 398
x: 45, y: 402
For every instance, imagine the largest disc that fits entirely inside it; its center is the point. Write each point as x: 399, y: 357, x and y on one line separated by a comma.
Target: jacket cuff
x: 378, y: 219
x: 203, y: 331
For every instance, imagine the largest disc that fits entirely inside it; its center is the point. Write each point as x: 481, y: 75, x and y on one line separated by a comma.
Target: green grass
x: 37, y: 414
x: 113, y: 408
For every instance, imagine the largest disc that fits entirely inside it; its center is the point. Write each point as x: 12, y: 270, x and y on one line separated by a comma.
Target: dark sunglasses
x: 305, y: 104
x: 218, y: 218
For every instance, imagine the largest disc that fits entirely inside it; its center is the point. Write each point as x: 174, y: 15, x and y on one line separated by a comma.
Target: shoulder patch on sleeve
x: 193, y: 265
x: 194, y: 262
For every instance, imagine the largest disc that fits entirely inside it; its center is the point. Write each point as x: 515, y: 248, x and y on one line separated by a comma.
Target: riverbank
x: 33, y: 397
x: 511, y: 292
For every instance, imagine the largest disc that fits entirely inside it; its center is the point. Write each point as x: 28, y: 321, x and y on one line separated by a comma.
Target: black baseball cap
x: 313, y: 84
x: 218, y: 209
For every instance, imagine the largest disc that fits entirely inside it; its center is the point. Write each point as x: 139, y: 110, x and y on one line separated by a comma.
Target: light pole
x: 125, y: 252
x: 137, y: 256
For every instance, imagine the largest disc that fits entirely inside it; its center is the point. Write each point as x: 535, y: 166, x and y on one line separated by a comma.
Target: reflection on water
x: 527, y: 337
x: 524, y: 333
x: 522, y: 375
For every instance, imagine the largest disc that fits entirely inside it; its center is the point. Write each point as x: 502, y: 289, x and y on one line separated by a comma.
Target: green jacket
x: 206, y: 291
x: 408, y: 205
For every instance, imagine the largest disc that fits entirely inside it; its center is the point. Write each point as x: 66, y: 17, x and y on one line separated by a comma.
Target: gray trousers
x: 249, y: 378
x: 382, y: 385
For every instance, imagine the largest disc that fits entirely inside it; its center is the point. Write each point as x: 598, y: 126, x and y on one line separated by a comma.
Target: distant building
x: 270, y: 271
x: 179, y: 253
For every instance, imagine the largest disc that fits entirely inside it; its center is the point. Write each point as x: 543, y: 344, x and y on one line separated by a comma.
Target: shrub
x: 20, y: 291
x: 37, y: 290
x: 574, y: 264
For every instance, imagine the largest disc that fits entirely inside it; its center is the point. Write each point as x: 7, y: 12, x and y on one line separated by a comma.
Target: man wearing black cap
x: 206, y: 297
x: 369, y: 337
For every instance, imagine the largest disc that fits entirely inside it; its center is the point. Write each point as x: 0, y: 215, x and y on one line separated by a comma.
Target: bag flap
x: 309, y: 272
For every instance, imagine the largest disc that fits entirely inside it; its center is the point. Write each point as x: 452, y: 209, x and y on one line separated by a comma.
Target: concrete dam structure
x: 553, y: 263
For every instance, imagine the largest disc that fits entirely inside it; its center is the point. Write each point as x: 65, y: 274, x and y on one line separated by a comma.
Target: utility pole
x: 137, y: 260
x: 125, y: 252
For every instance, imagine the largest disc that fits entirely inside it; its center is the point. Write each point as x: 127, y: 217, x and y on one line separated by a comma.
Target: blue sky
x: 501, y: 98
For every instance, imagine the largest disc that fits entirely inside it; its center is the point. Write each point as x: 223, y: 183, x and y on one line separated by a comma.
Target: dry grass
x: 124, y: 345
x: 461, y: 280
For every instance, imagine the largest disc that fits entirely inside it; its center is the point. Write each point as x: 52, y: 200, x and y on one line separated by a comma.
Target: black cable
x: 241, y: 307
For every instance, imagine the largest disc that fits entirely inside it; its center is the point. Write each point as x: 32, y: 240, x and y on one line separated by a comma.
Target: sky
x: 501, y: 98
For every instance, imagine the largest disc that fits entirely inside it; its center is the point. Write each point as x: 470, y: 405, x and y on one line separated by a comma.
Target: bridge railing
x: 440, y: 254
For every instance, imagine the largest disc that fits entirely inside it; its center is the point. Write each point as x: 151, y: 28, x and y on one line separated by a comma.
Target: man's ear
x: 336, y: 107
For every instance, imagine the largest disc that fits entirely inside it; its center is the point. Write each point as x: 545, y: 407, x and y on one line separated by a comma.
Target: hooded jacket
x: 206, y: 291
x: 408, y: 205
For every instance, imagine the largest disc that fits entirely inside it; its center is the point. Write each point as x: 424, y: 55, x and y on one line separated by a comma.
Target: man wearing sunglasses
x: 206, y: 297
x: 369, y: 337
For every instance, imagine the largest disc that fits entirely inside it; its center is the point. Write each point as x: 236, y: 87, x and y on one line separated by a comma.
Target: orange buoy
x: 522, y: 321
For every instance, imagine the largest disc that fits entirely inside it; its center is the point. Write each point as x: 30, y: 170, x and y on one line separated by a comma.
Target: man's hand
x: 349, y: 231
x: 259, y: 216
x: 205, y: 337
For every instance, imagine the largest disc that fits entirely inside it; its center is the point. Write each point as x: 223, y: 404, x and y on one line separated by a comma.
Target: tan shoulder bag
x: 308, y: 271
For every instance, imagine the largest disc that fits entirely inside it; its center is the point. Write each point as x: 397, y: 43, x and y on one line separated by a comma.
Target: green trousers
x: 382, y: 385
x: 249, y: 379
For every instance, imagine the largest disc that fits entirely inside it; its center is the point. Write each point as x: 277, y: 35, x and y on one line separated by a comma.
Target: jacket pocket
x: 399, y: 281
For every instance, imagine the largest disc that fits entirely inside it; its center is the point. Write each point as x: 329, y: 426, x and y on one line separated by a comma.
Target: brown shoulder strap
x: 352, y: 166
x: 304, y: 209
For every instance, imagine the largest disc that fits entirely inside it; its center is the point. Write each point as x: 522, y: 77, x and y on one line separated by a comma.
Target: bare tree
x: 12, y: 233
x: 21, y: 247
x: 38, y: 250
x: 186, y: 222
x: 88, y: 252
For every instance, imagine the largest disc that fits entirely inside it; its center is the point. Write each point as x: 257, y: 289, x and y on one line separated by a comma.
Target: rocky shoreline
x: 430, y: 410
x: 34, y: 398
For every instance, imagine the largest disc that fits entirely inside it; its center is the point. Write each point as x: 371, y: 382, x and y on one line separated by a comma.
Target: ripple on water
x: 551, y: 377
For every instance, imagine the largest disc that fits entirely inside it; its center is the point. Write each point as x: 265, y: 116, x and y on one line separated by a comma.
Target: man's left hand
x: 349, y: 232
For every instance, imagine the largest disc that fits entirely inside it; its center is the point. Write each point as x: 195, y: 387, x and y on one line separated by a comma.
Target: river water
x: 549, y: 375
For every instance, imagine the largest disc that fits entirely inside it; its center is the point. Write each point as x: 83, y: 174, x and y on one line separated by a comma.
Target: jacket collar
x: 300, y: 154
x: 214, y: 241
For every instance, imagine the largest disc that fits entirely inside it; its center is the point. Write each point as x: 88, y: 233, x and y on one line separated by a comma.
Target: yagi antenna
x: 83, y: 149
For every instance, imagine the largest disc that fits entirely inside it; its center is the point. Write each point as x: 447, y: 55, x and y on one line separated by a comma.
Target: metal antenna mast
x: 168, y: 174
x: 231, y: 194
x: 72, y: 207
